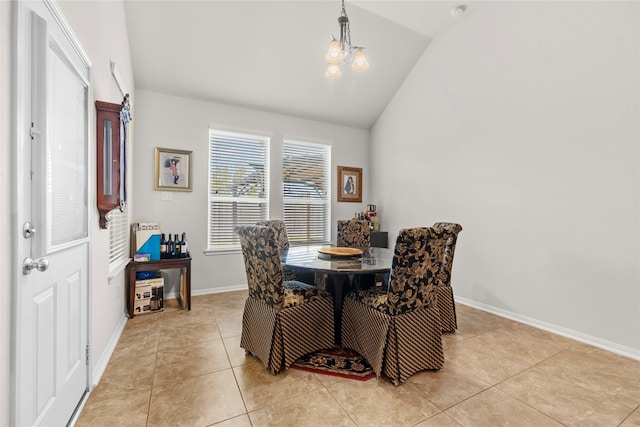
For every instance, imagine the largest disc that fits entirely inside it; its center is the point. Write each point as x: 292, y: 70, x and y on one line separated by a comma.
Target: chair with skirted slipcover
x: 354, y: 233
x: 282, y: 321
x: 397, y: 327
x: 445, y: 301
x: 280, y: 230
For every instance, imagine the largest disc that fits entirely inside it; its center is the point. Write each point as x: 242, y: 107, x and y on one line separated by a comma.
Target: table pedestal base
x: 340, y: 285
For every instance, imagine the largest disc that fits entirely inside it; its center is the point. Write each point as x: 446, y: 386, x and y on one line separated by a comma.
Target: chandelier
x: 342, y: 52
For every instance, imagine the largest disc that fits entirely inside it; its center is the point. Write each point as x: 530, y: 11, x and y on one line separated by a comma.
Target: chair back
x: 414, y: 270
x: 262, y: 263
x: 449, y: 250
x: 354, y: 233
x: 280, y: 230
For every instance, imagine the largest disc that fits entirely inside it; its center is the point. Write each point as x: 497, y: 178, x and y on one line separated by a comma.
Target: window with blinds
x: 306, y: 174
x: 238, y: 185
x: 118, y: 236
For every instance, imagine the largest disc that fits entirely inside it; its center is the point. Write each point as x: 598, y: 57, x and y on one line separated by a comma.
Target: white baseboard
x: 171, y: 295
x: 101, y: 364
x: 175, y: 295
x: 241, y: 287
x: 568, y: 333
x: 99, y: 368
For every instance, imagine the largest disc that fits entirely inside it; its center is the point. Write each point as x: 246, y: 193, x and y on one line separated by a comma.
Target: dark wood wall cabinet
x: 111, y: 152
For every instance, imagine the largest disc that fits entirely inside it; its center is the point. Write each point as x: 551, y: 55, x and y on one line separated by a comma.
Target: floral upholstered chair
x: 282, y: 321
x: 354, y: 233
x: 397, y: 327
x: 280, y: 231
x: 445, y: 301
x: 282, y: 239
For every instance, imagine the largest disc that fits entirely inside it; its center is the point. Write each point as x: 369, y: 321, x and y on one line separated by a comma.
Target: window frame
x: 302, y: 148
x: 264, y: 143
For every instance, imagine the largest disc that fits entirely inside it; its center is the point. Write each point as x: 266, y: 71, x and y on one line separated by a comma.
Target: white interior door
x: 51, y: 221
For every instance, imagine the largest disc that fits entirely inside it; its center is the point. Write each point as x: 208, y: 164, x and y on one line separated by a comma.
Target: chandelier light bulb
x: 333, y: 72
x: 360, y: 62
x: 334, y: 55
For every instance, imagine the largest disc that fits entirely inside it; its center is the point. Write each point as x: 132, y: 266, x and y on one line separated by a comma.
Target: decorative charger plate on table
x: 340, y: 251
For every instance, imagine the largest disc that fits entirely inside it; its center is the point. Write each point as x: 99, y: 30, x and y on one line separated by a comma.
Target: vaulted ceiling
x: 269, y: 55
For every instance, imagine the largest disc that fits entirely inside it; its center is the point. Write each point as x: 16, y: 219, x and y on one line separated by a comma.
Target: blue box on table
x: 151, y: 246
x: 145, y: 239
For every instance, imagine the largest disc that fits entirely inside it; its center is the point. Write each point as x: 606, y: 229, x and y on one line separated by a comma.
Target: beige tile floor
x: 186, y: 368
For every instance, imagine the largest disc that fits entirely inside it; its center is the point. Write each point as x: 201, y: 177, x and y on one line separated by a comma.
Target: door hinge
x: 87, y: 355
x: 33, y: 132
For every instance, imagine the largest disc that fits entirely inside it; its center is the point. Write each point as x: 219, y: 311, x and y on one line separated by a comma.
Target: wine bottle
x: 177, y: 252
x: 171, y: 247
x: 183, y: 246
x: 163, y: 247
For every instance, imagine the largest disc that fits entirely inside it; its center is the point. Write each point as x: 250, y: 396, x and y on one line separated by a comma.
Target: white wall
x: 5, y: 202
x: 102, y: 31
x: 521, y: 123
x: 174, y: 122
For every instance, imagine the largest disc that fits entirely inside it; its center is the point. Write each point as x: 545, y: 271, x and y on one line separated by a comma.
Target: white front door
x: 51, y: 238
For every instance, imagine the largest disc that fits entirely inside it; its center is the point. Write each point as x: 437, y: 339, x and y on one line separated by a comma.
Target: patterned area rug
x: 339, y: 362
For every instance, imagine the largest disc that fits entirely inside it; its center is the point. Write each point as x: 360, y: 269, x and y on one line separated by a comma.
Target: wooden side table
x: 184, y: 264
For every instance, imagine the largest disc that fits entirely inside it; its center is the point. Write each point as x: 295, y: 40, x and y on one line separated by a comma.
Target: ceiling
x: 269, y: 55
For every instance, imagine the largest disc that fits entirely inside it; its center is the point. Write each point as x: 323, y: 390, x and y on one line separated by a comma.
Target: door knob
x: 41, y: 264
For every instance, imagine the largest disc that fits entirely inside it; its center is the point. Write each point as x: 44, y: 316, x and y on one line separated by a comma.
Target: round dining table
x: 339, y: 269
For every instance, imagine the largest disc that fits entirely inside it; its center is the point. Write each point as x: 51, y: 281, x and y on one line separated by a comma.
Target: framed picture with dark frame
x: 349, y: 184
x: 172, y: 170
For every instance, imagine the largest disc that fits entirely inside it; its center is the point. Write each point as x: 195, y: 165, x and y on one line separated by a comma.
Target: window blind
x: 118, y: 235
x: 306, y: 188
x: 66, y: 156
x: 238, y: 185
